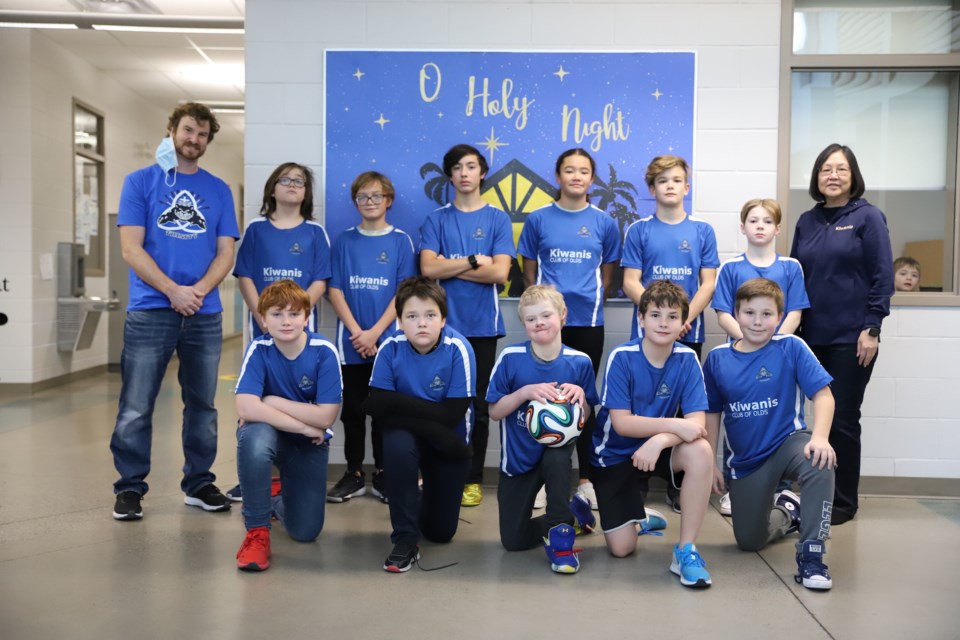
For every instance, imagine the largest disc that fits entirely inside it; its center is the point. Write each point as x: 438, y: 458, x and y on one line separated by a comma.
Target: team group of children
x: 432, y: 384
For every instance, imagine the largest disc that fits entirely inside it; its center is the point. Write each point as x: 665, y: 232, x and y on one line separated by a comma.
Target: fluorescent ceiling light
x: 123, y: 27
x: 38, y: 25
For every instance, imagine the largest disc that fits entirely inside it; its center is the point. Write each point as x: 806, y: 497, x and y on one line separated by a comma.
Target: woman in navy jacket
x: 843, y: 245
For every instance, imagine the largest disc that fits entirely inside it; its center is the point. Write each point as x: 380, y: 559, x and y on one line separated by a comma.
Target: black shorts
x: 620, y: 490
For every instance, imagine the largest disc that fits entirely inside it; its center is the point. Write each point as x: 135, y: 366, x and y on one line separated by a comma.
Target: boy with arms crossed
x: 647, y: 380
x: 540, y: 369
x: 756, y: 383
x: 368, y: 263
x: 467, y: 246
x: 288, y: 395
x: 420, y: 393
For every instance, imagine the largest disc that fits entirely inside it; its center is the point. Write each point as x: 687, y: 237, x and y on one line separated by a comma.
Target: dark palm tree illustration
x: 610, y: 194
x: 436, y: 188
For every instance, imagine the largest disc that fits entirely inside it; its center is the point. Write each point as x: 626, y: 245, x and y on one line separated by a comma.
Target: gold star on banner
x: 358, y: 74
x: 381, y: 121
x: 560, y: 73
x: 656, y: 94
x: 492, y: 143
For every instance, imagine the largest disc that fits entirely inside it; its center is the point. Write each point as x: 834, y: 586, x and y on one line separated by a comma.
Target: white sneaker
x: 725, y: 509
x: 586, y: 490
x: 541, y: 500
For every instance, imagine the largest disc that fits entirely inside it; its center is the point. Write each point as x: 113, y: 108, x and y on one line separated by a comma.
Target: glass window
x: 88, y: 206
x: 875, y: 27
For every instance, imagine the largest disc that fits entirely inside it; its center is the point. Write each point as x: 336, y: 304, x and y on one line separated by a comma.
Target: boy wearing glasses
x: 285, y: 243
x: 467, y: 246
x: 368, y: 262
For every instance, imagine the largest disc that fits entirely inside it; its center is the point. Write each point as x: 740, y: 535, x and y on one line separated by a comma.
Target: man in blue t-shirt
x: 178, y: 227
x: 758, y: 383
x: 467, y: 246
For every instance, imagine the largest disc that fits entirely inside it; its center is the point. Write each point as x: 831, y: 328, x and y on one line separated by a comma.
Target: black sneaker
x: 673, y: 498
x: 378, y: 487
x: 208, y: 498
x: 234, y: 494
x: 127, y: 506
x: 349, y: 486
x: 402, y: 557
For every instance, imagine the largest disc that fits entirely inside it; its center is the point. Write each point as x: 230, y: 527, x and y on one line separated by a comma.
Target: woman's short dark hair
x: 857, y: 187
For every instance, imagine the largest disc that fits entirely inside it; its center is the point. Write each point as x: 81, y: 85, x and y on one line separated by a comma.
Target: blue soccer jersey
x: 570, y: 247
x: 181, y: 226
x: 517, y: 367
x: 631, y: 382
x: 312, y: 377
x: 761, y: 396
x: 785, y: 271
x: 267, y: 254
x: 366, y: 268
x: 674, y: 252
x: 473, y: 307
x: 449, y: 371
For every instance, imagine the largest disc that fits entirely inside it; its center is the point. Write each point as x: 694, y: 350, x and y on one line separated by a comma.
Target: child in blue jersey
x: 284, y: 243
x: 467, y: 246
x: 288, y: 396
x: 646, y: 381
x: 368, y: 262
x: 758, y: 384
x: 420, y: 395
x: 672, y: 245
x: 540, y: 369
x: 760, y: 223
x: 575, y: 247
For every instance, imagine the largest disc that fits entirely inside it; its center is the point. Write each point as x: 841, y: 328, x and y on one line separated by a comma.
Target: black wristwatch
x: 874, y: 332
x: 472, y: 259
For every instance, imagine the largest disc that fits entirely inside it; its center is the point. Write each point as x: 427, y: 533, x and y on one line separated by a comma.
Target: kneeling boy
x: 540, y: 369
x: 646, y: 381
x: 758, y: 384
x: 288, y: 395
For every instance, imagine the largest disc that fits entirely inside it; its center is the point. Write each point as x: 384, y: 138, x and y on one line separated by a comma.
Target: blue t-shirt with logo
x: 366, y: 268
x: 517, y: 367
x: 570, y: 247
x: 181, y: 226
x: 312, y: 377
x: 268, y: 254
x: 761, y: 396
x: 631, y: 382
x: 785, y: 271
x: 473, y: 307
x: 449, y: 371
x: 674, y: 252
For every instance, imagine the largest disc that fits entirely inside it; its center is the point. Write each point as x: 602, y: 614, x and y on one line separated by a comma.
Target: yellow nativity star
x: 381, y: 121
x: 560, y: 73
x: 358, y: 74
x: 656, y: 94
x: 492, y: 143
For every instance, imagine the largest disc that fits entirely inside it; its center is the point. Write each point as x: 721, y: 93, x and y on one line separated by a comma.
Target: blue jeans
x: 303, y: 476
x: 149, y: 341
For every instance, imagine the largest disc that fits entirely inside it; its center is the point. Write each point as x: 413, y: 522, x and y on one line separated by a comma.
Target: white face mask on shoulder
x: 166, y: 156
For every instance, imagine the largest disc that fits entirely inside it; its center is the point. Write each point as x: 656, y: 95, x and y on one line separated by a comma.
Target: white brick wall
x: 909, y: 425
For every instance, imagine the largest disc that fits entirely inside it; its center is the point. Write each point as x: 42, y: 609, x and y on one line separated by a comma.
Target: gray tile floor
x: 68, y: 570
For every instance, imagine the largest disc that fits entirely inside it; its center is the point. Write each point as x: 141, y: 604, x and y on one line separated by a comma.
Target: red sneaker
x: 275, y: 486
x: 254, y: 553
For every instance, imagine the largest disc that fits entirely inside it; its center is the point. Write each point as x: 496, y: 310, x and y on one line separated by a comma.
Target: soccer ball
x: 554, y: 424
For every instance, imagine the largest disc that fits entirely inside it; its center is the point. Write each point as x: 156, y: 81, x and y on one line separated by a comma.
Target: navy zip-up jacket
x: 848, y: 269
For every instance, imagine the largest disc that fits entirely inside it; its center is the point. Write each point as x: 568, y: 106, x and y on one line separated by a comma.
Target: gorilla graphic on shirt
x: 183, y: 215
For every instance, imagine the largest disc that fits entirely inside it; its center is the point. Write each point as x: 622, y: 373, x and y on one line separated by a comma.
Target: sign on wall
x: 397, y: 112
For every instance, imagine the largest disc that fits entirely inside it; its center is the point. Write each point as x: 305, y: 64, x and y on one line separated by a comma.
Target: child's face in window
x: 422, y: 323
x: 906, y: 278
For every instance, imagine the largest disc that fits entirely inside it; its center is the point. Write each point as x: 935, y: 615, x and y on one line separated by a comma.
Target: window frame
x: 95, y: 261
x: 790, y: 63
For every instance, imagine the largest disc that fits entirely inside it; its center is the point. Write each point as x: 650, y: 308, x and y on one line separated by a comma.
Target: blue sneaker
x: 789, y: 502
x: 559, y: 547
x: 580, y: 507
x: 811, y: 572
x: 688, y: 564
x: 653, y: 524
